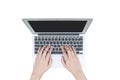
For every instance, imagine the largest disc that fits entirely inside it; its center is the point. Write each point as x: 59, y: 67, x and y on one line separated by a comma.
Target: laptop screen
x: 58, y: 26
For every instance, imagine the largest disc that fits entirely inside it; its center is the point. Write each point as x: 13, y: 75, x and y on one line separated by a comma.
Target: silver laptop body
x: 58, y: 32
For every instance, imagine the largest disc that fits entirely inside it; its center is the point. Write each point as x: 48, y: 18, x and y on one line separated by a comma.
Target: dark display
x: 58, y: 26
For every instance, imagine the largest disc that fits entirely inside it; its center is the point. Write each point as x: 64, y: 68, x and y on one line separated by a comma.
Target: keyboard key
x: 62, y: 39
x: 56, y: 49
x: 80, y: 39
x: 77, y: 42
x: 79, y: 52
x: 40, y: 42
x: 72, y: 39
x: 57, y: 42
x: 35, y: 38
x: 80, y: 45
x: 79, y: 49
x: 67, y: 42
x: 74, y: 42
x: 36, y: 42
x: 58, y: 45
x: 81, y: 42
x: 36, y: 45
x: 50, y: 42
x: 47, y: 42
x: 75, y: 46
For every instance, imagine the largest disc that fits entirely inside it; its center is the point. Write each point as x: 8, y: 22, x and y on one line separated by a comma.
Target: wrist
x: 35, y: 76
x: 80, y: 76
x: 77, y: 76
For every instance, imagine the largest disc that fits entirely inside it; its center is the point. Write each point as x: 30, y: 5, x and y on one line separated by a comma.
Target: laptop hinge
x: 58, y: 34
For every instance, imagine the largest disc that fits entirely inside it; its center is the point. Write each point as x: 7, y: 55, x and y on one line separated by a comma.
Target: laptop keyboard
x: 58, y: 41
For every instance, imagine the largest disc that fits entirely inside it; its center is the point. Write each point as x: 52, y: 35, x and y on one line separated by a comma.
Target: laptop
x: 58, y: 32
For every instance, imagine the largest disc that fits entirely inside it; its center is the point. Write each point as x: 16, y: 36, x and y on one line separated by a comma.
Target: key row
x: 58, y: 38
x: 58, y: 42
x: 58, y: 50
x: 58, y: 45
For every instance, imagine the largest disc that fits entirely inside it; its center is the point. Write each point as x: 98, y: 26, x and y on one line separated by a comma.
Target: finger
x: 64, y: 53
x: 45, y: 51
x: 68, y: 51
x: 50, y: 62
x: 63, y: 62
x: 74, y: 50
x: 49, y: 53
x: 40, y: 51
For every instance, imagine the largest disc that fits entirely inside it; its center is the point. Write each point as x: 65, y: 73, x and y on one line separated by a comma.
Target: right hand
x: 71, y: 62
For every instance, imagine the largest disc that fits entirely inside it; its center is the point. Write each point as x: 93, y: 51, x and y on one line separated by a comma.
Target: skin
x: 42, y: 63
x: 69, y: 60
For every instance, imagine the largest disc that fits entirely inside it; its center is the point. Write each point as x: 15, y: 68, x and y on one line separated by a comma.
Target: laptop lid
x: 57, y: 25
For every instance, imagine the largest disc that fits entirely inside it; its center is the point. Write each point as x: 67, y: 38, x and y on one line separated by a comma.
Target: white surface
x: 102, y: 38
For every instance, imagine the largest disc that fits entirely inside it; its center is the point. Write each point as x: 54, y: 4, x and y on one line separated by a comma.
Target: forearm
x: 80, y: 76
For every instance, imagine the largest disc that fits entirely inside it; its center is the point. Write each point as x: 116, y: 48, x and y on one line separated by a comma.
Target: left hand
x: 42, y: 63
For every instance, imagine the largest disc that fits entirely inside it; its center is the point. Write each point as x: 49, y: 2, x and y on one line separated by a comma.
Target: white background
x: 102, y: 38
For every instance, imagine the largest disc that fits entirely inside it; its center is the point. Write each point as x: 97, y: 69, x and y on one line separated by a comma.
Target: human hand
x: 71, y: 62
x: 42, y: 63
